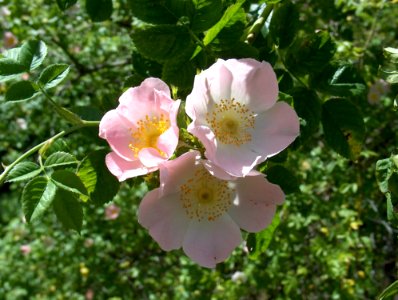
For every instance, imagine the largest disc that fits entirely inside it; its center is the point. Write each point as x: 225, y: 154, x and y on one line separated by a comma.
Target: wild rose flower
x: 112, y: 212
x: 25, y: 249
x: 235, y: 114
x: 203, y: 213
x: 9, y: 39
x: 378, y: 89
x: 142, y: 131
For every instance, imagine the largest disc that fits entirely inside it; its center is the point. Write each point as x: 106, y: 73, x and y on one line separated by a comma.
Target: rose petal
x: 124, y: 169
x: 254, y: 83
x: 150, y: 157
x: 209, y: 243
x: 275, y: 129
x: 255, y: 204
x: 116, y: 131
x: 174, y: 173
x: 168, y: 141
x: 206, y: 136
x: 165, y: 219
x: 198, y: 102
x: 219, y: 80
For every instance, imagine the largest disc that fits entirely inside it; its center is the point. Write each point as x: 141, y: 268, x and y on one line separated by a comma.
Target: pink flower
x: 25, y: 249
x: 235, y: 114
x: 142, y: 131
x: 9, y: 39
x: 202, y: 213
x: 112, y: 212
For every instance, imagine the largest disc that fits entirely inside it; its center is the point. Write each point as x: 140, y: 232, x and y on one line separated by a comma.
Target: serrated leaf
x: 60, y: 159
x: 20, y: 91
x: 391, y: 54
x: 65, y: 4
x: 32, y: 54
x: 212, y: 33
x: 392, y: 216
x: 162, y: 42
x: 23, y: 171
x: 68, y: 181
x: 343, y: 126
x: 99, y: 10
x: 101, y: 185
x: 384, y: 170
x: 284, y: 24
x: 152, y: 11
x: 259, y: 242
x: 53, y: 146
x: 179, y: 73
x: 9, y: 68
x: 68, y: 210
x: 206, y: 14
x: 53, y: 75
x: 284, y: 178
x: 37, y: 197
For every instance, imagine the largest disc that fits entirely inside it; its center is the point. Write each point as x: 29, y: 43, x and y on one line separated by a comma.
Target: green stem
x: 258, y: 24
x: 36, y: 148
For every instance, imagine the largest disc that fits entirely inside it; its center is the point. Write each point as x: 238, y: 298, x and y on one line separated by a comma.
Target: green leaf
x: 9, y: 68
x: 212, y: 33
x: 152, y: 11
x: 101, y: 185
x: 69, y: 181
x: 391, y: 54
x: 392, y: 216
x: 308, y: 108
x: 384, y: 170
x: 284, y: 178
x: 32, y: 54
x: 53, y: 146
x: 284, y: 24
x: 179, y: 73
x: 99, y: 10
x: 206, y: 14
x: 162, y: 42
x: 21, y: 90
x: 258, y: 242
x: 65, y: 4
x: 37, y: 196
x: 343, y: 126
x: 68, y: 210
x: 23, y: 171
x: 391, y: 290
x: 53, y: 75
x: 310, y: 54
x: 60, y: 159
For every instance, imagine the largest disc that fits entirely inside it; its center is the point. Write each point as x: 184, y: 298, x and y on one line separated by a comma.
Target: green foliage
x: 343, y: 126
x: 53, y: 75
x: 68, y: 209
x: 21, y: 90
x: 284, y: 178
x: 99, y: 10
x: 284, y: 24
x: 9, y: 68
x: 60, y: 158
x: 391, y: 290
x: 65, y: 4
x: 32, y: 54
x: 23, y: 171
x: 101, y: 185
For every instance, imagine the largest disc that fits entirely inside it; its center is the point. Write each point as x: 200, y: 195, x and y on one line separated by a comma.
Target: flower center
x: 147, y: 133
x: 205, y: 197
x: 231, y: 122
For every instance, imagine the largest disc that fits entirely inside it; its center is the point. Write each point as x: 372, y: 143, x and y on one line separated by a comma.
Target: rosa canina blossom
x: 202, y: 213
x: 235, y: 114
x: 142, y: 131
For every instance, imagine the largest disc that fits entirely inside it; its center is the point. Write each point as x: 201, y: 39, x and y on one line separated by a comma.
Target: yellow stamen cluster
x: 230, y: 121
x: 147, y: 133
x: 205, y: 197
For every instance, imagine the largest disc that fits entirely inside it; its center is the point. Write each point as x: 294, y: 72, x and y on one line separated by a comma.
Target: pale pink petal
x: 206, y: 136
x: 175, y: 172
x: 198, y: 102
x: 275, y: 129
x: 124, y: 169
x: 217, y: 171
x: 209, y: 243
x: 168, y: 141
x: 254, y: 83
x: 237, y: 161
x: 150, y: 157
x: 255, y: 204
x: 165, y: 219
x: 219, y: 80
x: 116, y: 131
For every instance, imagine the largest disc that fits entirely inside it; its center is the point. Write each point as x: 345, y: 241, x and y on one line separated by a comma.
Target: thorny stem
x: 36, y: 148
x: 258, y: 24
